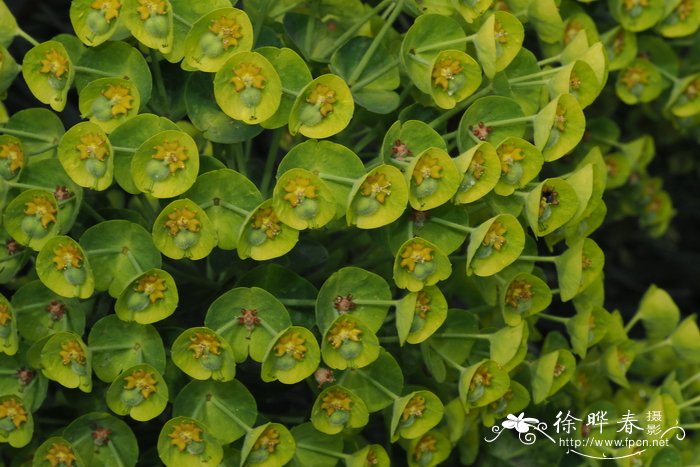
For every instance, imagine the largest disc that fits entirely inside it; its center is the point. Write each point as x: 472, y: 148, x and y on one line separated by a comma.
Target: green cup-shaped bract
x: 302, y: 200
x: 48, y: 71
x: 349, y: 343
x: 86, y: 155
x: 65, y: 358
x: 420, y: 314
x: 433, y: 178
x: 419, y: 263
x: 258, y: 450
x: 378, y: 198
x: 248, y: 88
x: 55, y: 448
x: 559, y: 127
x: 107, y: 429
x: 183, y: 441
x: 202, y: 354
x: 152, y: 27
x: 482, y: 383
x: 498, y: 41
x: 109, y: 102
x: 495, y: 244
x: 524, y: 295
x: 414, y: 414
x: 474, y: 125
x: 94, y: 24
x: 550, y: 205
x: 63, y: 267
x: 263, y: 236
x: 405, y: 139
x: 21, y: 435
x: 140, y: 392
x: 481, y: 169
x: 293, y: 355
x: 150, y: 297
x: 215, y: 37
x: 183, y: 230
x: 337, y: 408
x: 323, y: 108
x: 550, y: 373
x: 637, y: 16
x: 9, y: 339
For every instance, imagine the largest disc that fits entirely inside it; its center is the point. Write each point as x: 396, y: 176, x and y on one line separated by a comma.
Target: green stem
x: 241, y: 160
x: 691, y: 426
x: 530, y: 83
x: 376, y: 42
x: 327, y: 452
x: 546, y: 259
x: 226, y: 205
x: 270, y: 330
x: 445, y: 44
x: 689, y: 402
x: 336, y: 178
x: 687, y: 382
x: 653, y: 347
x: 672, y: 78
x: 27, y: 37
x: 362, y: 302
x: 158, y: 78
x: 420, y: 60
x: 115, y: 454
x: 103, y: 251
x: 231, y: 415
x: 297, y: 302
x: 609, y: 142
x: 547, y: 61
x: 556, y: 319
x: 42, y: 150
x: 462, y: 335
x: 182, y: 20
x: 93, y: 71
x: 459, y: 107
x: 539, y: 74
x: 377, y: 385
x: 510, y: 121
x: 452, y: 225
x: 399, y: 164
x: 374, y: 163
x: 448, y: 360
x: 290, y: 92
x: 106, y: 348
x: 26, y: 186
x: 375, y: 75
x: 388, y: 339
x: 8, y: 372
x: 26, y: 134
x: 92, y: 212
x: 270, y: 161
x: 359, y: 24
x: 124, y: 149
x: 361, y: 144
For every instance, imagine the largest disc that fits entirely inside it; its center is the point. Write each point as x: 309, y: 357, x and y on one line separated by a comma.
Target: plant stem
x: 27, y: 37
x: 290, y: 92
x: 374, y: 163
x: 132, y: 259
x: 26, y: 134
x: 270, y: 330
x: 557, y: 319
x: 530, y: 83
x: 226, y: 205
x: 689, y: 402
x: 158, y: 78
x: 388, y: 339
x: 376, y: 74
x: 359, y: 24
x: 124, y: 149
x: 103, y: 251
x: 547, y: 61
x: 653, y: 347
x: 42, y: 150
x: 231, y: 415
x: 362, y: 302
x: 336, y: 178
x: 546, y: 259
x: 420, y: 60
x: 510, y: 121
x: 270, y: 161
x: 448, y: 360
x: 445, y: 44
x: 93, y: 71
x: 672, y: 78
x: 609, y: 142
x: 26, y: 186
x: 103, y: 348
x: 377, y: 385
x: 459, y: 107
x: 452, y: 225
x: 115, y: 454
x: 690, y: 380
x: 462, y: 335
x: 539, y: 74
x: 297, y: 302
x: 376, y: 42
x: 92, y: 212
x: 326, y: 452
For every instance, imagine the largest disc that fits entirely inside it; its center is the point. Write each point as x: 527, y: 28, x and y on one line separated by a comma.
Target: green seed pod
x: 5, y: 330
x: 101, y: 109
x: 467, y: 182
x: 96, y: 22
x: 78, y: 368
x: 185, y: 239
x: 307, y: 209
x: 211, y: 45
x: 157, y: 170
x: 256, y: 237
x: 251, y: 97
x: 426, y: 458
x: 546, y: 214
x: 423, y: 270
x: 366, y: 206
x: 196, y: 448
x: 426, y: 188
x: 5, y: 171
x: 285, y: 362
x: 339, y: 417
x: 350, y: 349
x: 75, y: 276
x: 310, y: 115
x: 7, y: 425
x: 484, y: 251
x: 515, y: 173
x: 456, y: 83
x: 257, y: 456
x: 408, y: 422
x: 138, y: 301
x: 417, y: 323
x: 57, y: 83
x: 211, y: 362
x: 132, y: 397
x: 157, y: 26
x: 476, y: 394
x: 95, y: 167
x: 524, y: 305
x: 33, y: 227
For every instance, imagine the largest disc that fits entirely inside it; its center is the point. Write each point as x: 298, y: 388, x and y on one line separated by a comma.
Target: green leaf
x: 183, y: 230
x: 248, y: 88
x: 352, y: 290
x: 215, y: 37
x: 544, y: 15
x: 119, y: 251
x: 249, y: 319
x: 166, y: 164
x: 483, y: 111
x: 337, y: 408
x: 408, y: 138
x: 140, y: 392
x: 228, y: 409
x: 658, y: 312
x: 116, y: 346
x: 64, y: 268
x: 42, y: 122
x: 685, y: 340
x: 49, y: 73
x: 587, y: 328
x: 315, y: 448
x: 198, y: 443
x: 102, y: 439
x: 150, y: 297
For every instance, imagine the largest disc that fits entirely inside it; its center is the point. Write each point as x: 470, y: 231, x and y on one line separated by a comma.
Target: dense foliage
x: 340, y: 231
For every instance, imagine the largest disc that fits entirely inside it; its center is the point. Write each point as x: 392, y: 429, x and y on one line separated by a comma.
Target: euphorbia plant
x: 312, y: 232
